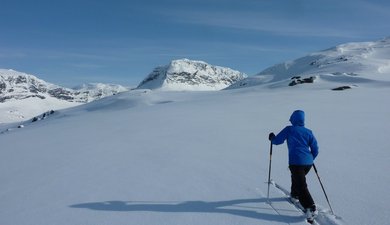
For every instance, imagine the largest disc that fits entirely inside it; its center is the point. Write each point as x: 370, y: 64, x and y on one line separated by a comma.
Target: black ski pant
x: 299, y: 186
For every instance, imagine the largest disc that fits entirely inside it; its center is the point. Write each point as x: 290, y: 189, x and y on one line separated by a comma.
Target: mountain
x: 93, y: 91
x: 185, y: 74
x: 16, y: 85
x: 154, y: 157
x: 23, y: 95
x: 346, y: 65
x: 160, y: 157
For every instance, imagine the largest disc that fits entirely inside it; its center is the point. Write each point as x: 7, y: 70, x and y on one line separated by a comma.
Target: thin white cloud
x: 86, y: 65
x: 82, y: 56
x: 262, y: 22
x: 268, y: 24
x: 378, y: 9
x: 12, y: 55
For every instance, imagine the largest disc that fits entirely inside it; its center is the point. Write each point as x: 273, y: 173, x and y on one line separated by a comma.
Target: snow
x: 190, y: 75
x: 150, y: 157
x: 23, y: 96
x: 23, y: 109
x: 361, y: 63
x: 158, y: 157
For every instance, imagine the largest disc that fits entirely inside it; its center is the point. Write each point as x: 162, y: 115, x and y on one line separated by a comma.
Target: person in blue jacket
x: 302, y: 150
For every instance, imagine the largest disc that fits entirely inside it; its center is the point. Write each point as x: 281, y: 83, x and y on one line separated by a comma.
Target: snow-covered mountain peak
x: 351, y: 64
x: 185, y: 74
x: 24, y: 95
x: 16, y: 85
x: 17, y: 78
x: 19, y: 85
x: 93, y: 91
x: 13, y: 73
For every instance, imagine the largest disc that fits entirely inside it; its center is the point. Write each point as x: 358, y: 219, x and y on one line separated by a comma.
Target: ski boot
x: 311, y: 213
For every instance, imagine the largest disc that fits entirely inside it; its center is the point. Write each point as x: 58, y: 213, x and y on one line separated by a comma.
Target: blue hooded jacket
x: 302, y: 145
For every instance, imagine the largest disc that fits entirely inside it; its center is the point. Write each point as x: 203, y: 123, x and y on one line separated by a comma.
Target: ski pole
x: 323, y: 189
x: 269, y: 169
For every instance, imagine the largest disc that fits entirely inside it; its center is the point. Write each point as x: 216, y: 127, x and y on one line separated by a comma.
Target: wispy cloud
x: 378, y: 9
x: 331, y: 18
x: 258, y: 21
x: 12, y: 55
x: 86, y: 65
x: 82, y: 56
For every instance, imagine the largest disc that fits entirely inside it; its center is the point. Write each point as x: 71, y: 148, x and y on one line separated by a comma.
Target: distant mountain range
x: 23, y: 95
x: 345, y: 66
x: 16, y: 85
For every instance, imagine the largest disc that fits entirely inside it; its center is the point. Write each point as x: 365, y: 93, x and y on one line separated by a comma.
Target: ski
x: 296, y: 204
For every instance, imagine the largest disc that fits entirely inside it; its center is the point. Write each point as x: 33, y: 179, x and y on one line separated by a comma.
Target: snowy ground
x: 19, y: 110
x: 195, y: 158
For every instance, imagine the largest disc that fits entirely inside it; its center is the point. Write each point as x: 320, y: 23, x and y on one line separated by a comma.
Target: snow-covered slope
x: 153, y: 157
x: 185, y: 74
x: 352, y: 64
x: 23, y: 96
x: 146, y: 157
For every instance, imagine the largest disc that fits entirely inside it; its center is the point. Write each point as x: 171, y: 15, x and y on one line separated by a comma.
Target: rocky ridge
x: 190, y: 75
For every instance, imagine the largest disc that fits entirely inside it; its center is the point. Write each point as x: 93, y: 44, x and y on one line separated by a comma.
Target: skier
x: 302, y: 150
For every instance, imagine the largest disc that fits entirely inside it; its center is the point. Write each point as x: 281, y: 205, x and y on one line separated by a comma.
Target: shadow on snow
x: 231, y: 207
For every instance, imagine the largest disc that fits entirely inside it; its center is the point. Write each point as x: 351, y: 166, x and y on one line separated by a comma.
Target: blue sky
x: 116, y: 41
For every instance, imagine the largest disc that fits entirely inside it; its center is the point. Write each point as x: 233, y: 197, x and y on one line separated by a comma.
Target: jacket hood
x: 298, y: 118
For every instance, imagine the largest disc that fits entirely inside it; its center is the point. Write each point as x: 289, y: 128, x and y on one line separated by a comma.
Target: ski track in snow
x: 324, y: 215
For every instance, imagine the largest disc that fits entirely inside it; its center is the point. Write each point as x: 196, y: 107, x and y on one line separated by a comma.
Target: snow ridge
x: 23, y: 96
x: 16, y: 85
x: 185, y: 74
x: 351, y: 63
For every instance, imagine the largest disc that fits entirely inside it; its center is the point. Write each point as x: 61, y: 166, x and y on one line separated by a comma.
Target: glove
x: 271, y: 136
